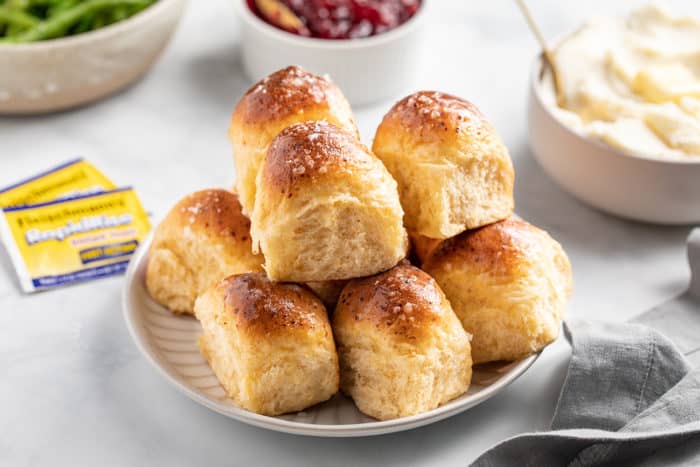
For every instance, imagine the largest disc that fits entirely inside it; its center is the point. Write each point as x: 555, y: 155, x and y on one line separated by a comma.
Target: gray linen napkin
x: 631, y: 396
x: 679, y: 318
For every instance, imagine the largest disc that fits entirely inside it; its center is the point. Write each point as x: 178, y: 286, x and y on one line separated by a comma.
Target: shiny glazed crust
x: 403, y: 301
x: 264, y: 308
x: 309, y: 152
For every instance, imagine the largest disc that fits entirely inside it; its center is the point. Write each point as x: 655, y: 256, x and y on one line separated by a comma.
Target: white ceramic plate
x: 169, y: 344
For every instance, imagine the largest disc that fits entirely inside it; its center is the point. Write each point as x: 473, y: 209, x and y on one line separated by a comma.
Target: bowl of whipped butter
x: 623, y: 131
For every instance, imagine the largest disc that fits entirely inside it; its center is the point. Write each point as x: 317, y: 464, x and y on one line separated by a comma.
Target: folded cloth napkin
x: 631, y: 396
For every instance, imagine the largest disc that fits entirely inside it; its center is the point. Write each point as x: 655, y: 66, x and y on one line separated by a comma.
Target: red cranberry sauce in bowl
x: 335, y: 19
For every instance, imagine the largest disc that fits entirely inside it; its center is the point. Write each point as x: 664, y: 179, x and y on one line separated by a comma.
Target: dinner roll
x: 402, y: 349
x: 508, y: 282
x: 270, y: 344
x: 326, y: 208
x: 204, y: 238
x: 453, y: 171
x: 285, y: 97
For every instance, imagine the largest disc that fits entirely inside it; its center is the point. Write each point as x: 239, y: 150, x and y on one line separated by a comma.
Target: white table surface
x: 75, y: 391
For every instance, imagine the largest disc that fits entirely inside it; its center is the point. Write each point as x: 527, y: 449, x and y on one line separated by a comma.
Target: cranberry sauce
x: 341, y: 19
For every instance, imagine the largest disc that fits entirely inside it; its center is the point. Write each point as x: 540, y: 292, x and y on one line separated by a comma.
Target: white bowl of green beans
x: 58, y: 54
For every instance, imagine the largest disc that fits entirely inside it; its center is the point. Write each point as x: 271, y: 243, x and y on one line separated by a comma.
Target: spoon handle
x: 546, y: 51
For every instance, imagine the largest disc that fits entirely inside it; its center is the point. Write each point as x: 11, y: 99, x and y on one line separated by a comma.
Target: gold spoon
x: 546, y: 51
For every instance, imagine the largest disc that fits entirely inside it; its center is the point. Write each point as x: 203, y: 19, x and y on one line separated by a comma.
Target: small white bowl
x: 62, y: 73
x: 367, y: 69
x: 627, y: 185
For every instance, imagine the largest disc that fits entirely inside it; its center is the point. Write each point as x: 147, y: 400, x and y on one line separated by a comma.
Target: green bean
x: 14, y: 29
x: 100, y: 21
x: 17, y: 17
x: 17, y: 4
x: 35, y: 20
x: 86, y: 23
x: 61, y: 6
x: 119, y: 14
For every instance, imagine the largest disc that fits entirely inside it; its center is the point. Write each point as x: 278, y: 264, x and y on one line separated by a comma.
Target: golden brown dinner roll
x: 204, y: 238
x: 402, y: 349
x: 326, y: 208
x: 508, y: 282
x: 285, y: 97
x: 453, y: 171
x: 270, y: 344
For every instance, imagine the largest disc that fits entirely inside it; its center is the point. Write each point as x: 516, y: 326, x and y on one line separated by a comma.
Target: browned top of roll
x: 431, y: 115
x: 497, y: 248
x: 214, y: 211
x: 306, y: 151
x: 260, y: 305
x: 402, y: 301
x: 283, y: 93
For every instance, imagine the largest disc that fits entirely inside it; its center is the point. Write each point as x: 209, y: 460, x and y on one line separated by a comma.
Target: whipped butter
x: 633, y: 83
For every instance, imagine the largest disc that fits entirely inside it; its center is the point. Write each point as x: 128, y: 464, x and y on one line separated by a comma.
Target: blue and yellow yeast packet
x: 73, y: 178
x: 65, y: 241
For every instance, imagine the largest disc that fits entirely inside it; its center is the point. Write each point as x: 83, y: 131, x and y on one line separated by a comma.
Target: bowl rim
x: 536, y: 73
x: 111, y: 29
x: 330, y: 44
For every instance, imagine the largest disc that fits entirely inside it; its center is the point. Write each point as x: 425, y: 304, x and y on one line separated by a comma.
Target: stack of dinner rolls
x: 301, y: 276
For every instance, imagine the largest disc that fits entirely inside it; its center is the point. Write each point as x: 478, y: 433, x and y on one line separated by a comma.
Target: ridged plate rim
x: 133, y: 316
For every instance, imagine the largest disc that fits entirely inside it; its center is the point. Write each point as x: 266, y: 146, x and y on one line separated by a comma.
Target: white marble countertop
x: 74, y: 390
